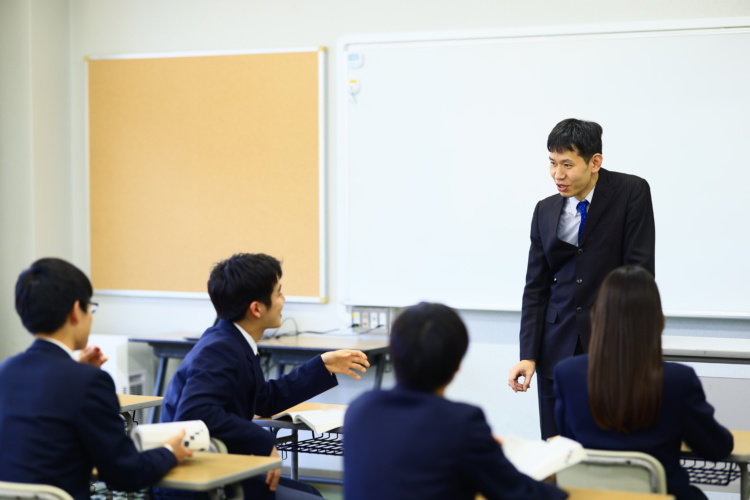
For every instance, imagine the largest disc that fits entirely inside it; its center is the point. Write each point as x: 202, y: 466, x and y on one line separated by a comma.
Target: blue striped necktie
x: 581, y: 207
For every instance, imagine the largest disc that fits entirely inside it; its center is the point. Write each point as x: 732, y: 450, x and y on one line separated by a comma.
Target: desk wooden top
x: 205, y: 471
x: 322, y: 342
x: 303, y: 341
x: 131, y: 402
x: 706, y: 347
x: 584, y: 494
x: 740, y: 452
x: 307, y: 406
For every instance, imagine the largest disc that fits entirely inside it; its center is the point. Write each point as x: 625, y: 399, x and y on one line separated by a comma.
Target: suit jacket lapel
x: 602, y: 196
x: 553, y: 217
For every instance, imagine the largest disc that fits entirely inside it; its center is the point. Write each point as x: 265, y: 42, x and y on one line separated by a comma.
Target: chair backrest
x: 616, y: 470
x: 32, y: 491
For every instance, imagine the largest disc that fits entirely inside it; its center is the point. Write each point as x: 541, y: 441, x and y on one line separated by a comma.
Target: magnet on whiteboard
x: 355, y: 60
x: 353, y: 87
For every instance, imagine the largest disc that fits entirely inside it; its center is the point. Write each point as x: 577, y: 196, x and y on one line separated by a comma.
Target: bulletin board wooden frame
x: 196, y: 156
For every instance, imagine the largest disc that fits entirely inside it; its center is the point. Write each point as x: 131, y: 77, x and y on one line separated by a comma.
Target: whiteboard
x: 443, y: 148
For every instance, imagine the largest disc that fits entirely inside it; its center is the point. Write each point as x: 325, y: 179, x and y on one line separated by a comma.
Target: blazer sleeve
x: 705, y: 436
x: 487, y: 469
x: 115, y: 456
x: 218, y: 382
x: 535, y: 294
x: 640, y: 231
x: 304, y: 382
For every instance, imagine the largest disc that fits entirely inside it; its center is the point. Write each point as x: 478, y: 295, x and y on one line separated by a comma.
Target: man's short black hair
x: 46, y: 292
x: 240, y: 280
x: 428, y: 342
x: 585, y: 136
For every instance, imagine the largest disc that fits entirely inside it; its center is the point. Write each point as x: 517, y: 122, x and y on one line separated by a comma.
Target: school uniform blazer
x: 221, y: 382
x: 60, y: 418
x: 562, y: 280
x: 405, y: 444
x: 685, y: 416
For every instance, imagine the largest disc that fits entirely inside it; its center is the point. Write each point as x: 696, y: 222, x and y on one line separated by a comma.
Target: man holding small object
x: 600, y: 220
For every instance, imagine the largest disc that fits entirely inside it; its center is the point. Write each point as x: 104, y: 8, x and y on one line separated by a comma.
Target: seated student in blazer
x: 410, y: 442
x: 60, y: 418
x: 221, y: 381
x: 623, y: 396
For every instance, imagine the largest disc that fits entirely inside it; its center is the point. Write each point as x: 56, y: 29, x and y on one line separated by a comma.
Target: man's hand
x: 525, y: 369
x: 345, y: 362
x: 92, y: 355
x: 180, y: 452
x: 272, y: 479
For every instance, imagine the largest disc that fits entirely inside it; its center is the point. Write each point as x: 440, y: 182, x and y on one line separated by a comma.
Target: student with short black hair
x: 60, y: 418
x: 221, y: 381
x: 410, y: 442
x: 622, y: 395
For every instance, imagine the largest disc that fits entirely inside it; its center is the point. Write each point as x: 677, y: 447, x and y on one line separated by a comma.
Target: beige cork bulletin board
x: 195, y: 157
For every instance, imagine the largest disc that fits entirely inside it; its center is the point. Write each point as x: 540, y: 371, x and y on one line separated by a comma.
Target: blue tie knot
x: 582, y: 209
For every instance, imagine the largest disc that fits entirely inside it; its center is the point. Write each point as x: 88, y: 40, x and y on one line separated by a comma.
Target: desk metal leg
x: 280, y: 369
x: 295, y: 455
x: 379, y: 370
x: 744, y: 482
x: 158, y: 389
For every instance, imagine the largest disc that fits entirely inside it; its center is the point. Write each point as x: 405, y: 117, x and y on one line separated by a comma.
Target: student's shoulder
x: 677, y: 374
x: 573, y: 365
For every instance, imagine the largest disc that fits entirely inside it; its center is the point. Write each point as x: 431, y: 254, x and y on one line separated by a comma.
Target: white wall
x: 43, y: 148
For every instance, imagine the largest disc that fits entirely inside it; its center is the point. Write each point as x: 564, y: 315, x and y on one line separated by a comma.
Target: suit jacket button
x: 579, y: 281
x: 579, y: 309
x: 580, y: 251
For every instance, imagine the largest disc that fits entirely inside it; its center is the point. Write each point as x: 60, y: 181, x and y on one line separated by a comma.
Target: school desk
x: 129, y: 403
x: 321, y: 445
x: 209, y: 471
x: 285, y: 350
x: 585, y: 494
x: 740, y: 455
x: 706, y: 349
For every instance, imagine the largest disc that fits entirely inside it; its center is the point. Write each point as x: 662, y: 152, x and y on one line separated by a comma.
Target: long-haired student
x: 623, y: 396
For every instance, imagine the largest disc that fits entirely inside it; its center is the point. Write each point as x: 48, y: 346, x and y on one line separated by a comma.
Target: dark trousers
x: 546, y: 393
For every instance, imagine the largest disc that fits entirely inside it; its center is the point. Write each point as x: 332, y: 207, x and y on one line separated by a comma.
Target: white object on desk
x: 151, y: 436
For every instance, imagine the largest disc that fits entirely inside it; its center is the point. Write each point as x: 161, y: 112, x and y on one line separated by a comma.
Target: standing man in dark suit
x: 600, y: 220
x: 60, y: 418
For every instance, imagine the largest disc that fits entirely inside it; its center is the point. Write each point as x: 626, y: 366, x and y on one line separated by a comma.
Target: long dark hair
x: 626, y: 370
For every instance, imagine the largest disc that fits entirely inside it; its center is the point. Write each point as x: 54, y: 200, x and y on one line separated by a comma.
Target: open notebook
x: 319, y: 421
x: 540, y: 459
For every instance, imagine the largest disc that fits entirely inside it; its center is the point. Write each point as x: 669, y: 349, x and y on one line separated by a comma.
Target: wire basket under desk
x: 708, y: 472
x: 326, y: 444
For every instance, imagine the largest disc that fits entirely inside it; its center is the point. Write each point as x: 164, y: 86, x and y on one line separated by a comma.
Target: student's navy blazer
x: 404, y: 444
x: 686, y: 416
x: 221, y: 382
x: 562, y: 280
x: 60, y: 418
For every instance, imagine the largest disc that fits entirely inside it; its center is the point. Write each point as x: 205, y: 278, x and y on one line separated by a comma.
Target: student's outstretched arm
x: 345, y: 362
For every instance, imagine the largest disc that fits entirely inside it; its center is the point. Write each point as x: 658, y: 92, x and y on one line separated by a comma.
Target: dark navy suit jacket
x: 686, y: 416
x: 562, y: 280
x: 404, y: 444
x: 221, y: 382
x: 60, y: 418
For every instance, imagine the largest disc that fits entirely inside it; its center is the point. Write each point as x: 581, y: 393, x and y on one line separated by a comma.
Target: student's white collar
x: 250, y: 340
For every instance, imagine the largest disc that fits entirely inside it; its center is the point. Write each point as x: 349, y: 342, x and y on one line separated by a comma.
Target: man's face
x: 273, y: 313
x: 572, y: 175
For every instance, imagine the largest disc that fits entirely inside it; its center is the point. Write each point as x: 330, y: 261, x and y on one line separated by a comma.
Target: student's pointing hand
x: 345, y: 362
